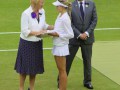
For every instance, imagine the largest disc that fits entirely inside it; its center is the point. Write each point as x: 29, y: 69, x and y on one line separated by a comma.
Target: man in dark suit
x: 84, y: 20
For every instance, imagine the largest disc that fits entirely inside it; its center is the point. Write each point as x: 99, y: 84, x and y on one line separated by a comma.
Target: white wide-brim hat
x: 57, y: 3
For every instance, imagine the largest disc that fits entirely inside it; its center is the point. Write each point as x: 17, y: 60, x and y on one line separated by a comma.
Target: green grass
x: 10, y: 13
x: 108, y: 13
x: 47, y: 81
x: 107, y: 35
x: 106, y: 59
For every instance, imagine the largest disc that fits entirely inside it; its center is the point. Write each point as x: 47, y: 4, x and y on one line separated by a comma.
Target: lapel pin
x: 86, y: 5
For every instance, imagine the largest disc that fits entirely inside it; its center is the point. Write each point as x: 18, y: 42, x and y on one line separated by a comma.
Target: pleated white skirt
x: 60, y: 50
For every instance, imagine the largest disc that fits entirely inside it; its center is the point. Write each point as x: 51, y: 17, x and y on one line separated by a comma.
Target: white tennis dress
x: 65, y: 31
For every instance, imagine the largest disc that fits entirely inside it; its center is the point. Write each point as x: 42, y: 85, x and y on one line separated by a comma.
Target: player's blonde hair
x: 34, y: 2
x: 67, y: 3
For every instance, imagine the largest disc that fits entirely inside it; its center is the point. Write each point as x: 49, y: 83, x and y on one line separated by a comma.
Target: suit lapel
x: 77, y: 9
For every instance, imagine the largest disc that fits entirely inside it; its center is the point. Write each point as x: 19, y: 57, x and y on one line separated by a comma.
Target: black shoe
x: 89, y: 86
x: 28, y: 88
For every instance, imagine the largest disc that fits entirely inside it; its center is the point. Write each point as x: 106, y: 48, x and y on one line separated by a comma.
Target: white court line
x: 9, y: 50
x: 107, y: 29
x: 95, y: 29
x: 14, y: 50
x: 108, y: 41
x: 9, y: 32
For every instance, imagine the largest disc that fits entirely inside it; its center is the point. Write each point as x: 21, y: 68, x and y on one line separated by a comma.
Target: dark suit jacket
x: 80, y: 26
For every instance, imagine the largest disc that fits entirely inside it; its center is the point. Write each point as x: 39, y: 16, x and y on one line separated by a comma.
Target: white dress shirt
x: 29, y: 24
x: 83, y: 4
x: 64, y: 29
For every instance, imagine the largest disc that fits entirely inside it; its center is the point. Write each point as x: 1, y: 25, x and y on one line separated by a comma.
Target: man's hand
x: 83, y: 36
